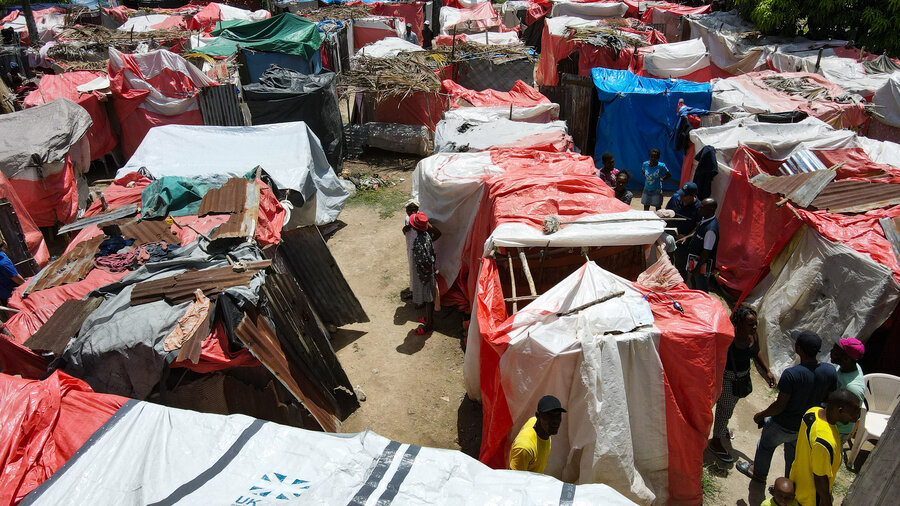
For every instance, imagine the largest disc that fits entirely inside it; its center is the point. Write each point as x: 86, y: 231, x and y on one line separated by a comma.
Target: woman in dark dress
x: 743, y: 349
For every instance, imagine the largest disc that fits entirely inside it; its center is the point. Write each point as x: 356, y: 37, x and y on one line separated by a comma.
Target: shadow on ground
x: 468, y: 426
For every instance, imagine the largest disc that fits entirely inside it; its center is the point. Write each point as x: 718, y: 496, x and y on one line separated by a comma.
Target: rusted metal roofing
x: 857, y: 196
x: 304, y: 254
x: 71, y: 267
x: 228, y: 198
x: 891, y: 227
x: 55, y: 334
x: 241, y: 225
x: 261, y: 340
x: 800, y: 189
x: 111, y: 215
x: 181, y: 287
x: 147, y: 231
x: 306, y: 341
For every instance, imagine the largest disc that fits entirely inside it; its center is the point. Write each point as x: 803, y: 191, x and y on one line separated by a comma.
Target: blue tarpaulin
x: 640, y: 113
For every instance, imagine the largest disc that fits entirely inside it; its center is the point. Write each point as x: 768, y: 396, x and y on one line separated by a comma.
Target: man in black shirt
x: 800, y: 388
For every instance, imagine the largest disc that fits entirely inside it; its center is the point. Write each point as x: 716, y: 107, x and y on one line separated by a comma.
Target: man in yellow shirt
x: 818, y: 456
x: 532, y: 446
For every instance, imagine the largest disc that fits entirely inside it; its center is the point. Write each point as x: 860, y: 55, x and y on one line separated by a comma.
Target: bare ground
x: 414, y: 385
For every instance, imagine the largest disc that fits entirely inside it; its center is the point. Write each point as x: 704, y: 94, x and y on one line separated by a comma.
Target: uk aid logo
x: 273, y: 488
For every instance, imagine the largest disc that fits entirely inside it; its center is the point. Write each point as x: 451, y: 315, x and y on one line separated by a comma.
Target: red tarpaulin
x: 412, y: 13
x: 100, y: 134
x: 520, y: 95
x: 42, y: 424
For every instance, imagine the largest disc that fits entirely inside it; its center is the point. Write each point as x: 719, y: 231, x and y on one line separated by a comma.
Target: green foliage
x: 870, y: 24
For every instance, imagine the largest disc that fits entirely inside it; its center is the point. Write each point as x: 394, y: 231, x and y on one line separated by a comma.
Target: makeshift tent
x: 412, y: 13
x: 669, y: 14
x: 459, y: 135
x: 150, y: 22
x: 42, y: 152
x: 307, y: 467
x: 42, y: 425
x: 153, y: 89
x: 842, y: 66
x: 485, y: 39
x: 287, y: 40
x: 520, y: 103
x: 641, y: 113
x: 688, y: 60
x: 34, y: 239
x: 475, y: 19
x: 288, y: 152
x: 372, y: 29
x: 774, y: 92
x: 645, y: 379
x: 100, y: 135
x: 557, y: 45
x: 588, y: 10
x: 207, y: 18
x: 284, y: 95
x: 48, y: 21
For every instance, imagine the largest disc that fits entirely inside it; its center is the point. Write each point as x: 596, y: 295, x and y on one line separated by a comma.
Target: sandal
x: 722, y: 455
x: 423, y: 330
x: 744, y: 468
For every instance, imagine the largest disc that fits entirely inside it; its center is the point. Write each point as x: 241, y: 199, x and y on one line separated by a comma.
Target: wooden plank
x: 16, y: 246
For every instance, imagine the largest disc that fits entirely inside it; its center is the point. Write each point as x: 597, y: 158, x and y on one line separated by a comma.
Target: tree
x: 872, y: 24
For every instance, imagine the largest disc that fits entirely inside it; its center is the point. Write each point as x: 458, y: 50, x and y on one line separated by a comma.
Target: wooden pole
x: 512, y: 279
x: 526, y: 270
x: 32, y: 26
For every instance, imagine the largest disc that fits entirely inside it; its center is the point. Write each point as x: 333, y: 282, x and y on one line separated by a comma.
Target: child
x: 423, y: 282
x: 654, y: 174
x: 621, y: 193
x: 782, y: 494
x: 412, y: 207
x: 608, y: 171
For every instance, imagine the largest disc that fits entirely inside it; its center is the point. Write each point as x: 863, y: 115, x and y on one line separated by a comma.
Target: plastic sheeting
x: 153, y: 89
x: 454, y: 135
x: 639, y: 114
x: 42, y: 425
x: 887, y: 99
x: 411, y: 13
x: 48, y: 21
x: 372, y: 29
x: 34, y: 239
x: 51, y: 132
x: 669, y: 14
x: 842, y: 292
x: 520, y: 95
x: 476, y: 19
x: 304, y: 468
x: 749, y: 93
x: 100, y: 135
x: 212, y: 13
x: 543, y: 113
x: 588, y: 10
x: 663, y: 379
x: 284, y: 33
x: 388, y: 47
x: 688, y: 60
x: 284, y: 95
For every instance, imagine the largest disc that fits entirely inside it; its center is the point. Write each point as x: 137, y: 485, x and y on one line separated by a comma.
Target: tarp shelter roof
x: 285, y: 33
x: 289, y: 152
x: 239, y: 464
x: 641, y: 113
x: 459, y: 135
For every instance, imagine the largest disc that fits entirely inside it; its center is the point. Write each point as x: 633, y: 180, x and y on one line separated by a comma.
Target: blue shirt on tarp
x: 7, y: 272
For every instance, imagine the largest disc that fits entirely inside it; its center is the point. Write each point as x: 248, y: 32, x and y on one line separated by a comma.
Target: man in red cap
x: 844, y: 355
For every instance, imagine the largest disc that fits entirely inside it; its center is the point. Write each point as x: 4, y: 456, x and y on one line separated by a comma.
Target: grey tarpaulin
x: 47, y: 130
x: 119, y: 349
x: 284, y: 95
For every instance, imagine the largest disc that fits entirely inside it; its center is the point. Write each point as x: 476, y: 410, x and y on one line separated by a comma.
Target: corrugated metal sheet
x: 69, y: 268
x: 181, y: 287
x: 147, y: 231
x: 304, y: 254
x: 891, y: 228
x: 55, y: 334
x: 228, y: 198
x: 243, y: 224
x: 801, y: 162
x: 800, y: 189
x: 261, y: 340
x: 305, y: 339
x: 857, y: 196
x: 220, y: 106
x: 111, y: 215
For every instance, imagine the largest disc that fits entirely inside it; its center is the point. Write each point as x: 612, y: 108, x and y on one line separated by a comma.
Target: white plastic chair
x: 882, y: 394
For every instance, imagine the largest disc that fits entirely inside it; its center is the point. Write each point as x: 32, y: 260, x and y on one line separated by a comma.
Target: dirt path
x: 413, y: 384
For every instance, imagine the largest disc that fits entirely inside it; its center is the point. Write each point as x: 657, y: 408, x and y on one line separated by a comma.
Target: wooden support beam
x: 512, y: 279
x: 589, y: 304
x: 526, y: 270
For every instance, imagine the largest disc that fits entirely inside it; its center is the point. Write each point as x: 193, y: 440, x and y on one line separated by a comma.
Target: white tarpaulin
x: 289, y: 152
x: 195, y: 458
x: 454, y: 135
x: 841, y: 292
x: 887, y: 98
x: 541, y: 113
x: 142, y: 23
x: 449, y: 187
x: 602, y: 363
x: 677, y: 59
x: 389, y: 48
x: 612, y: 229
x: 588, y: 10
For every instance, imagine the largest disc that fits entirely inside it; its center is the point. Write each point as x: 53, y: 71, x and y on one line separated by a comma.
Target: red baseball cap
x: 853, y: 347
